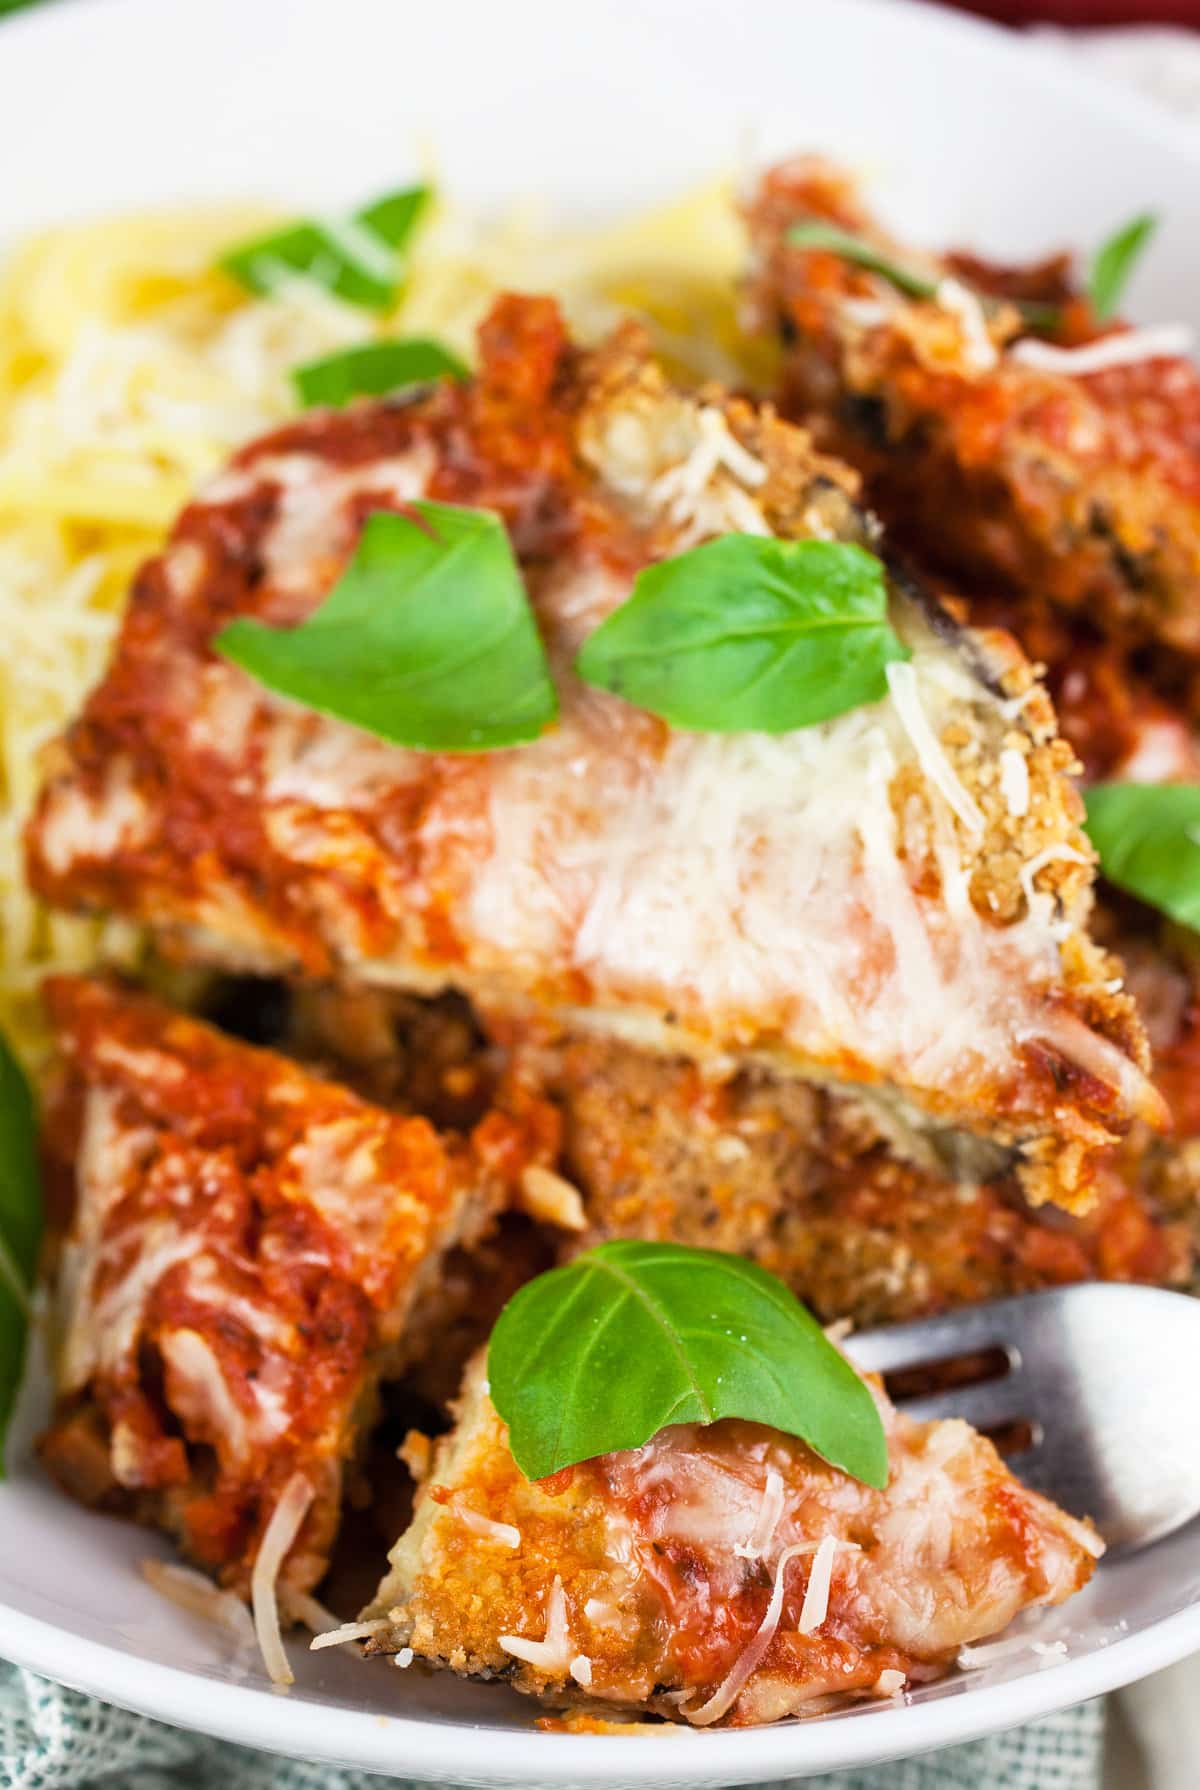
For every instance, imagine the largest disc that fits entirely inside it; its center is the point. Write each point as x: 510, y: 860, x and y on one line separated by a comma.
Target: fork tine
x: 972, y: 1330
x: 984, y: 1407
x: 1099, y: 1373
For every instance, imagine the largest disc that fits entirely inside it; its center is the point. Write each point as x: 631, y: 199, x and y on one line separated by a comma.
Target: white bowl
x: 965, y: 134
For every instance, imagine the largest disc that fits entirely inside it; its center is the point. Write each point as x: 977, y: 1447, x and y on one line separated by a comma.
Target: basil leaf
x: 374, y: 369
x: 1148, y: 838
x: 603, y: 1353
x: 396, y: 215
x: 358, y: 258
x: 1115, y: 260
x: 426, y: 640
x: 749, y: 634
x: 813, y: 234
x: 20, y: 1226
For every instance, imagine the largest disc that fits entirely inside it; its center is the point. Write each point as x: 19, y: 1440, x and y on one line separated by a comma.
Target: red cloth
x: 1086, y: 12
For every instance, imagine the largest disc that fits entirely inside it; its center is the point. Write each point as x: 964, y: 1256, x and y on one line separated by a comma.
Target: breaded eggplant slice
x: 721, y: 1574
x: 805, y: 1182
x: 1082, y: 487
x: 801, y: 1179
x: 246, y: 1247
x: 895, y: 899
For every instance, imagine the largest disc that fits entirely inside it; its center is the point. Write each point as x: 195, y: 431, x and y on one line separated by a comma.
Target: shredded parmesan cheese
x: 902, y: 682
x: 505, y: 1535
x: 1067, y: 1033
x: 889, y: 1683
x: 816, y: 1593
x: 990, y: 1653
x: 1084, y: 1534
x: 769, y: 1514
x: 581, y: 1669
x: 1014, y: 782
x: 301, y: 1606
x: 191, y: 1591
x: 748, y: 1661
x: 346, y: 1631
x: 1121, y: 350
x: 404, y: 1658
x: 551, y: 1655
x: 277, y: 1538
x: 979, y: 351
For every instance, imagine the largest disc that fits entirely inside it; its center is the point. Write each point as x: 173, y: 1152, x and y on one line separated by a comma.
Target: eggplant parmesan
x: 245, y: 1250
x: 894, y: 901
x: 1067, y: 470
x: 717, y: 1574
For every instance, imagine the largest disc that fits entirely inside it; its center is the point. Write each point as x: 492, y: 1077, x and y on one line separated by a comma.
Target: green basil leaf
x: 20, y: 1226
x: 426, y: 640
x: 748, y: 634
x: 1148, y: 838
x: 375, y: 369
x: 396, y: 215
x: 1115, y: 260
x: 603, y: 1353
x: 813, y: 234
x: 358, y: 258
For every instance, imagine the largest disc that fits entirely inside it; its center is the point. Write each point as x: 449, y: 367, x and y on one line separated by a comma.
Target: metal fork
x: 1088, y: 1390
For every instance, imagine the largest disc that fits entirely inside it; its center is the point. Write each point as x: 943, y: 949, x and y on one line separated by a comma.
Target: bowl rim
x: 503, y: 1755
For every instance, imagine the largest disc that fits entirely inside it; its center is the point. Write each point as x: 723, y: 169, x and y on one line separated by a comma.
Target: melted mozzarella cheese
x: 314, y: 523
x: 725, y: 875
x: 78, y: 827
x: 198, y: 1391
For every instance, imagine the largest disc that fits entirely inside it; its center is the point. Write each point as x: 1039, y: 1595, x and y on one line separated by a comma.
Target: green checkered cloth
x: 56, y: 1739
